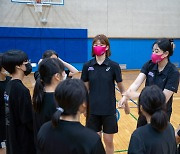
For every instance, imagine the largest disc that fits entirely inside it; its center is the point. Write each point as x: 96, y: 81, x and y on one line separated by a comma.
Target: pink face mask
x: 99, y: 50
x: 156, y: 58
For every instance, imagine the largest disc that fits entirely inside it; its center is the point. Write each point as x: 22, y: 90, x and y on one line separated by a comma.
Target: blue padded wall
x: 70, y: 44
x: 134, y: 52
x: 73, y: 46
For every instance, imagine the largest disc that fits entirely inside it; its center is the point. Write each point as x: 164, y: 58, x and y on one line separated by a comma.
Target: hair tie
x: 60, y: 109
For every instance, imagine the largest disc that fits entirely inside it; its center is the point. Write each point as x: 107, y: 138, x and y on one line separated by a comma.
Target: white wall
x: 115, y: 18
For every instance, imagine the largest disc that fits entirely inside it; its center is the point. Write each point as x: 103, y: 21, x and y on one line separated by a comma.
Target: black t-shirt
x: 68, y: 138
x: 101, y: 80
x: 19, y: 123
x: 147, y: 140
x: 48, y: 109
x: 2, y: 109
x: 166, y: 79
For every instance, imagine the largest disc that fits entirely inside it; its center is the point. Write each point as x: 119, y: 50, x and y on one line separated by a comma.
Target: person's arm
x: 39, y: 61
x: 122, y: 90
x: 132, y: 90
x: 168, y: 94
x: 85, y: 76
x: 172, y: 84
x: 87, y: 85
x: 71, y: 68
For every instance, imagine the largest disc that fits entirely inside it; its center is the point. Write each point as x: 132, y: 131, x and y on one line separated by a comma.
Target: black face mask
x: 28, y: 69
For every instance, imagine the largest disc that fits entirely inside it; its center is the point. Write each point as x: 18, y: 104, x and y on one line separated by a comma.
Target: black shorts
x: 105, y: 123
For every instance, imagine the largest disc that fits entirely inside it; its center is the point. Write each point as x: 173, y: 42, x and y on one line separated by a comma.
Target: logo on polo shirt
x: 108, y: 68
x: 151, y: 74
x: 90, y: 69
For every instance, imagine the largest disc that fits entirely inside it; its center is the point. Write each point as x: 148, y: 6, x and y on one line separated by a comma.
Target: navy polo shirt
x: 168, y: 79
x: 101, y: 85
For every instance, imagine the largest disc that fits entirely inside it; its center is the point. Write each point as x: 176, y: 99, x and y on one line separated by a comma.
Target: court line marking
x: 120, y: 151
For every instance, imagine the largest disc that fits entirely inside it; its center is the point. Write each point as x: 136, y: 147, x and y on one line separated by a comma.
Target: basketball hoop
x: 38, y: 6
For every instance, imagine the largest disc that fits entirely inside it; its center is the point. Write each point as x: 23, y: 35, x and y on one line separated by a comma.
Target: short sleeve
x: 173, y: 81
x: 84, y: 74
x: 98, y: 148
x: 118, y: 75
x: 135, y: 145
x: 145, y: 68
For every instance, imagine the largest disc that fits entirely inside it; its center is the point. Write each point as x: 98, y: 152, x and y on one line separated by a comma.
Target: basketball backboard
x: 44, y: 2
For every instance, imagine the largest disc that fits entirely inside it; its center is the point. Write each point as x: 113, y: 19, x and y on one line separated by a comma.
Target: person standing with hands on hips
x: 99, y: 75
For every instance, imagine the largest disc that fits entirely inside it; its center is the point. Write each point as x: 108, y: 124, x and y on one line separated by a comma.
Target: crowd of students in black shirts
x: 50, y: 121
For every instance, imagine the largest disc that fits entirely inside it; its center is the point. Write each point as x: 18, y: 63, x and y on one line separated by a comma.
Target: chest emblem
x: 151, y: 74
x: 91, y: 69
x: 108, y: 68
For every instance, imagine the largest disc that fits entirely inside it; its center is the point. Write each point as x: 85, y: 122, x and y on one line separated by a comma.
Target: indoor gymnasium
x: 89, y: 77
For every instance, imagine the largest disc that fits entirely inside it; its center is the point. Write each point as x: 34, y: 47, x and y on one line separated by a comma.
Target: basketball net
x: 38, y: 6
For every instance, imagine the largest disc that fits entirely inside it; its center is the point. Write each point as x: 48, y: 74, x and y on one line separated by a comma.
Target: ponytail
x: 159, y: 120
x: 56, y: 116
x: 153, y: 102
x: 70, y: 94
x: 38, y: 95
x: 47, y: 69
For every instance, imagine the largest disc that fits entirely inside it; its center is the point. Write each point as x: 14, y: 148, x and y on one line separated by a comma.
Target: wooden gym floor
x: 127, y: 123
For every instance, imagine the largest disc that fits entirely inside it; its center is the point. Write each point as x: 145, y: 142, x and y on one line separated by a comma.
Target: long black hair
x: 69, y: 94
x: 153, y: 101
x: 47, y: 68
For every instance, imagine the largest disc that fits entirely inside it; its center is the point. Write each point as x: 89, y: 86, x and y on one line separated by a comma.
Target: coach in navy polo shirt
x: 158, y: 71
x: 99, y: 75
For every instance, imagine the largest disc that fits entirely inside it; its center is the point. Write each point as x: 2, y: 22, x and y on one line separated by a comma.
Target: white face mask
x: 65, y: 76
x: 6, y: 73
